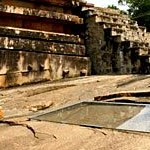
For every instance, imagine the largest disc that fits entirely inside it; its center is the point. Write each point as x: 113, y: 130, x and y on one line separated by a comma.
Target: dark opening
x: 30, y: 68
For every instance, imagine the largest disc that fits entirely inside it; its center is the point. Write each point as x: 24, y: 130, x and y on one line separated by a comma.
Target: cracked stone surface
x: 66, y: 137
x: 18, y: 132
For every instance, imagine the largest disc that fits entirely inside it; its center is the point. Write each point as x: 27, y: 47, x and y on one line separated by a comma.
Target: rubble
x: 40, y: 106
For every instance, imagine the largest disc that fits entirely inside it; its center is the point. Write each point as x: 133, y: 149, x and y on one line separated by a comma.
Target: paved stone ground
x: 19, y: 133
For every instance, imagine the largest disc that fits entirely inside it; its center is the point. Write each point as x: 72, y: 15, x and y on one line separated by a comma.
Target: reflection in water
x: 109, y: 115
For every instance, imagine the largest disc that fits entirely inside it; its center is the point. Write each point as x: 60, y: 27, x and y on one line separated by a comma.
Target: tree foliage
x: 139, y: 10
x: 113, y: 7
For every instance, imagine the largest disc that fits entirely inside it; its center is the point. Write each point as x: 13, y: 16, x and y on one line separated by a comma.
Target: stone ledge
x: 10, y: 43
x: 40, y: 35
x: 130, y: 34
x: 66, y: 3
x: 51, y: 2
x: 24, y: 61
x: 110, y: 12
x: 144, y: 52
x: 41, y: 13
x: 54, y: 67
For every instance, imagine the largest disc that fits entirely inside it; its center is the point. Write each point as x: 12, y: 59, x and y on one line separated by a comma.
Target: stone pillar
x: 94, y: 41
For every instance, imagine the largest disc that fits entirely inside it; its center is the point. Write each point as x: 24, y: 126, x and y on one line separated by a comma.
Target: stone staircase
x: 119, y: 36
x: 125, y: 29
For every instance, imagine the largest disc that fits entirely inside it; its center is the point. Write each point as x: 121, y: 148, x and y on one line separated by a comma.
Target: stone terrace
x: 120, y: 46
x: 40, y: 40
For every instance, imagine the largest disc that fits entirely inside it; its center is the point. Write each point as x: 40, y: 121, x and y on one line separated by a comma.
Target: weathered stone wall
x: 35, y: 45
x: 94, y: 42
x: 38, y: 19
x: 53, y: 39
x: 115, y: 43
x: 19, y: 67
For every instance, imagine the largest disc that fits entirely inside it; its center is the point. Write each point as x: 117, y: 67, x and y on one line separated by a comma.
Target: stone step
x: 51, y: 2
x: 144, y: 51
x: 134, y: 44
x: 130, y: 34
x: 113, y: 19
x: 40, y: 13
x: 109, y: 19
x: 107, y: 10
x: 106, y: 25
x: 40, y: 35
x: 10, y: 43
x: 107, y: 14
x: 111, y: 13
x: 135, y: 38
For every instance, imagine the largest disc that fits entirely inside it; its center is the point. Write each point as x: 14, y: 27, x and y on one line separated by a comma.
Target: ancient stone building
x: 53, y: 39
x: 41, y: 40
x: 115, y: 43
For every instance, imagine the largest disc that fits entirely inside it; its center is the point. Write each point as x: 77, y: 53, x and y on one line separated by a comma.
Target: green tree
x: 113, y: 7
x: 139, y: 11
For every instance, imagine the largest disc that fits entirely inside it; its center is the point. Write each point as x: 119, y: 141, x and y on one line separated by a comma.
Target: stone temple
x: 43, y: 40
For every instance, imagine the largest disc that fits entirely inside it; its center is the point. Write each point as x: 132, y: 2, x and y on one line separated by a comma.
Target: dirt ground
x: 19, y: 103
